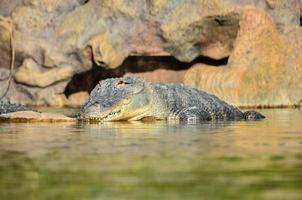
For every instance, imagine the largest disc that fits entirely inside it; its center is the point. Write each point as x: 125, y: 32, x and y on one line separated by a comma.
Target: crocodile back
x: 177, y: 96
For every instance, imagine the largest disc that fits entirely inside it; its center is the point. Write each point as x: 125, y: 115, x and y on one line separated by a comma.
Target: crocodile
x: 132, y: 98
x: 8, y: 107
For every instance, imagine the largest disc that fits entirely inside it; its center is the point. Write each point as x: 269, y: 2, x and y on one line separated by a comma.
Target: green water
x: 227, y: 160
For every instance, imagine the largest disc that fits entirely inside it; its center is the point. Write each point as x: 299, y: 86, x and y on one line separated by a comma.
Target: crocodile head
x: 117, y: 99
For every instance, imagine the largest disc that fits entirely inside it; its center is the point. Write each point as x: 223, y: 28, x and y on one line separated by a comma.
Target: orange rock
x: 5, y: 44
x: 161, y: 75
x: 30, y: 73
x: 64, y: 38
x: 264, y: 69
x: 78, y: 99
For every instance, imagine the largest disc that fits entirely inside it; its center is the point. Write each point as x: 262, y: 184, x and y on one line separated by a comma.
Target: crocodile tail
x: 253, y: 115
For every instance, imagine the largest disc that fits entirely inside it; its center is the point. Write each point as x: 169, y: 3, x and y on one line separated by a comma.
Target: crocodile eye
x: 126, y: 101
x: 121, y: 83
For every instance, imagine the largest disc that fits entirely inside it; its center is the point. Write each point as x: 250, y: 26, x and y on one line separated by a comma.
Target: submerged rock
x: 13, y: 112
x: 32, y: 116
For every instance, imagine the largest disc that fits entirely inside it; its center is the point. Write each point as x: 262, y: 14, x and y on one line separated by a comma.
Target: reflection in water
x: 155, y: 160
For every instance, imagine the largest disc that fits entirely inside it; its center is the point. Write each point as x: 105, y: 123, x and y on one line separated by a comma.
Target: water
x: 226, y: 160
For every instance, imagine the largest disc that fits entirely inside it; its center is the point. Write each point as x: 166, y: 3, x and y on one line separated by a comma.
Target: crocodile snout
x: 90, y: 111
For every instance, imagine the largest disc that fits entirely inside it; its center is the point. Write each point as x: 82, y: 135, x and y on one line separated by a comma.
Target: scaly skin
x: 7, y: 107
x: 132, y: 98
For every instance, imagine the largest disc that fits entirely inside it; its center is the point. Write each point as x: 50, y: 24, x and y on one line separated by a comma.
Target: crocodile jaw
x: 110, y: 116
x: 119, y: 113
x: 95, y: 114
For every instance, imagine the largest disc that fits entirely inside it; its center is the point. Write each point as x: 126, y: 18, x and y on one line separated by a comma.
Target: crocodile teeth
x: 101, y: 119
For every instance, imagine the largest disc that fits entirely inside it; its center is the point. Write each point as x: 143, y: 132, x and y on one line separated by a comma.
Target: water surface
x: 158, y: 160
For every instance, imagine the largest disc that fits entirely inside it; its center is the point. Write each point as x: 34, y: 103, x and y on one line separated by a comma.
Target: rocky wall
x: 46, y: 42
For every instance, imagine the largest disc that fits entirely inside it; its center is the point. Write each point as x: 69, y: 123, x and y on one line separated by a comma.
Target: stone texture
x: 35, y: 96
x: 161, y: 75
x: 7, y: 6
x: 5, y: 43
x: 31, y: 74
x: 264, y: 68
x: 32, y: 116
x: 78, y: 99
x: 56, y: 39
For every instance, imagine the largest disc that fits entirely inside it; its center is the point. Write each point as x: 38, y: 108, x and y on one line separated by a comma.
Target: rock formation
x: 49, y: 41
x: 264, y: 69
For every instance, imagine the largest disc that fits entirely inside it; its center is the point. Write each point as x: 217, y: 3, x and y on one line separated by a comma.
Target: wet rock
x: 264, y: 69
x: 31, y: 116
